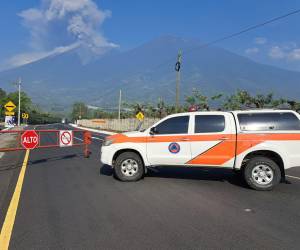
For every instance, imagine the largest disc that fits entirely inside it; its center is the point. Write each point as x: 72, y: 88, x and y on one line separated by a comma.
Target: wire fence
x: 129, y: 124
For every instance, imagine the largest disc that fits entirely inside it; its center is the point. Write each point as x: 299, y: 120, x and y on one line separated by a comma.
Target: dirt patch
x: 9, y: 140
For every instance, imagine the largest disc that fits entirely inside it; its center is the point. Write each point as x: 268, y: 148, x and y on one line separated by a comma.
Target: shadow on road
x: 5, y: 167
x: 198, y: 173
x: 55, y: 158
x: 192, y: 173
x: 106, y: 170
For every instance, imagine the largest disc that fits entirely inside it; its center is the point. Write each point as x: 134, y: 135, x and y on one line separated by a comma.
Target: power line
x: 256, y: 26
x: 247, y: 29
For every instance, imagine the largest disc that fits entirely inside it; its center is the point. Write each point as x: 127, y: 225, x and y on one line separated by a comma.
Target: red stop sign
x: 29, y: 139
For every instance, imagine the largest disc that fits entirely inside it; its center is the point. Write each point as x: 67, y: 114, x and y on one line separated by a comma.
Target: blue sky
x: 130, y: 23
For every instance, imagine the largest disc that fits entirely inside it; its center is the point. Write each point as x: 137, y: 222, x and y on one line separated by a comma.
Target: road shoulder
x: 10, y: 165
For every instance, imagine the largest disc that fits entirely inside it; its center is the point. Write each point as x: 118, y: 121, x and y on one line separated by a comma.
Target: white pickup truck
x: 259, y: 144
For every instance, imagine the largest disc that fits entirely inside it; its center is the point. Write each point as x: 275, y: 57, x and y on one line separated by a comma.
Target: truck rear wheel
x: 129, y: 167
x: 262, y: 173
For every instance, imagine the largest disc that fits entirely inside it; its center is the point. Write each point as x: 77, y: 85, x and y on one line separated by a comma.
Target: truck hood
x: 128, y: 137
x: 134, y: 134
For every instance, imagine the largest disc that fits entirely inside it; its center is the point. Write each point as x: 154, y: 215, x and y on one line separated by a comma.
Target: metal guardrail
x: 47, y: 139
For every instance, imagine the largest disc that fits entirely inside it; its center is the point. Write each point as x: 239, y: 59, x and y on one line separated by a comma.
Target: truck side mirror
x: 153, y: 131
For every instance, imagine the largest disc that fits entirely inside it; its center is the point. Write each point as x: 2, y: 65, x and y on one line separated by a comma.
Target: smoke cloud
x: 57, y: 26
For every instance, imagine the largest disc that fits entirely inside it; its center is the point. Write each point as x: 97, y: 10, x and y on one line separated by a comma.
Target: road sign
x: 30, y: 139
x: 65, y: 138
x: 10, y: 106
x: 9, y: 121
x: 140, y: 116
x: 25, y: 115
x: 9, y: 113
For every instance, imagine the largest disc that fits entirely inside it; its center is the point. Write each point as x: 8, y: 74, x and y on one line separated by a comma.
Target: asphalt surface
x: 70, y: 202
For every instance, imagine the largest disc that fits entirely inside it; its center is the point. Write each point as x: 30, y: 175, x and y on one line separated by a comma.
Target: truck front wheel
x: 262, y: 173
x: 129, y: 167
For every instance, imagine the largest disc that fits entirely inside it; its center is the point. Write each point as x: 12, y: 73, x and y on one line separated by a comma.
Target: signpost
x: 65, y: 138
x: 30, y: 139
x: 9, y: 114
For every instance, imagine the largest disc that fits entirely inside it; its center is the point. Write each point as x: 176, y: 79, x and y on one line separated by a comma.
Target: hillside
x: 146, y: 73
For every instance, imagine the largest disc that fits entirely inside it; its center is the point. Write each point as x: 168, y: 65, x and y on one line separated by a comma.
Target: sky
x: 33, y: 29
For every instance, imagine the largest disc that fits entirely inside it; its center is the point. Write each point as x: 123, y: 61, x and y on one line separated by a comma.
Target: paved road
x: 69, y: 202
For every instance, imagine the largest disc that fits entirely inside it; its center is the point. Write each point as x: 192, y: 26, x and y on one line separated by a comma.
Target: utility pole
x: 120, y: 100
x: 19, y: 106
x: 80, y: 111
x: 177, y: 69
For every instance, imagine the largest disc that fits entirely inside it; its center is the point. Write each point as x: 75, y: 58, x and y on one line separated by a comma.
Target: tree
x: 2, y: 102
x: 134, y: 108
x: 170, y: 109
x: 161, y: 108
x: 14, y: 97
x: 79, y: 111
x: 39, y: 117
x: 25, y: 100
x: 263, y: 101
x: 294, y: 105
x: 240, y: 100
x: 200, y: 101
x: 36, y: 115
x: 2, y: 94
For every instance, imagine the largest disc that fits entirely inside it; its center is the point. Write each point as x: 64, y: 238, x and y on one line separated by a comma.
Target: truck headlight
x: 107, y: 142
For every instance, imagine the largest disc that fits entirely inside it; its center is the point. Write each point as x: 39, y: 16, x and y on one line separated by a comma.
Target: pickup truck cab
x: 259, y: 144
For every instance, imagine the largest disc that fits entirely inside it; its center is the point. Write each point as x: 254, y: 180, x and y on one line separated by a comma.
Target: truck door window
x: 268, y: 121
x: 209, y: 123
x: 174, y: 125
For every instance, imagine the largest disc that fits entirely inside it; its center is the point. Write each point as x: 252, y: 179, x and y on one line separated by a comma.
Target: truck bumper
x: 107, y: 154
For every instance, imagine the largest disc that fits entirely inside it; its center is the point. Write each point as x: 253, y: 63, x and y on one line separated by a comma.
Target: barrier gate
x: 13, y: 140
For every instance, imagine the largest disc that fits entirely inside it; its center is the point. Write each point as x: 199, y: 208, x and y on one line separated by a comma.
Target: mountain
x: 146, y: 73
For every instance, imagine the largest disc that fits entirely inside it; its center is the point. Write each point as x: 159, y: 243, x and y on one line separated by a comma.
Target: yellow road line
x: 9, y: 221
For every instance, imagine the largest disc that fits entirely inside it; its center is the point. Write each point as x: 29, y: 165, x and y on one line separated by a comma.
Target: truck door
x: 170, y: 145
x: 214, y: 140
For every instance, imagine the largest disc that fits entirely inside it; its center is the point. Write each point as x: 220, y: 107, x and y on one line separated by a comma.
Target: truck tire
x: 129, y: 167
x: 262, y: 173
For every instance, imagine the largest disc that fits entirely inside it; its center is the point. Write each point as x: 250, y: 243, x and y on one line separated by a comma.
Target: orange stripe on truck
x: 218, y: 154
x: 121, y: 138
x: 223, y: 152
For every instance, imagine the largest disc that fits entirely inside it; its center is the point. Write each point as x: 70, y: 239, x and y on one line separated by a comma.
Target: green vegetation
x: 81, y: 111
x: 196, y: 101
x: 36, y: 116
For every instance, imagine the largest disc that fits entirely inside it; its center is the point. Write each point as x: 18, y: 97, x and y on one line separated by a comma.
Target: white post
x: 119, y: 115
x: 19, y: 106
x: 120, y: 100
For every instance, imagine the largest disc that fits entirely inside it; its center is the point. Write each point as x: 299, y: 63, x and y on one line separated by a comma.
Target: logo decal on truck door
x: 174, y: 148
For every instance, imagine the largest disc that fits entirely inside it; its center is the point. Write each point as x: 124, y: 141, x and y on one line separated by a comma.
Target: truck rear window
x: 268, y: 121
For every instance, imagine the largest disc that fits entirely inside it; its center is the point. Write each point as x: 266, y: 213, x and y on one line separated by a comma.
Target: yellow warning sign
x: 140, y: 116
x: 9, y: 113
x: 25, y: 115
x: 10, y: 106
